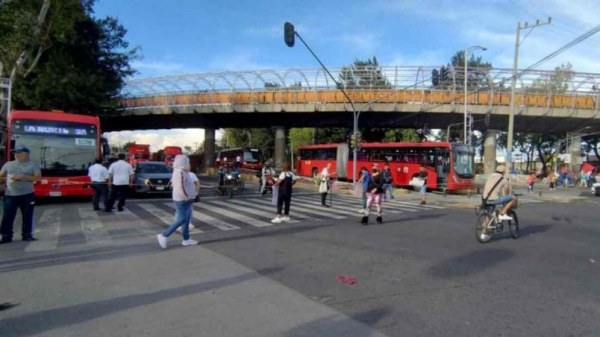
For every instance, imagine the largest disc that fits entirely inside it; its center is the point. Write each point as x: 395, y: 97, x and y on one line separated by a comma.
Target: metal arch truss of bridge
x: 395, y: 96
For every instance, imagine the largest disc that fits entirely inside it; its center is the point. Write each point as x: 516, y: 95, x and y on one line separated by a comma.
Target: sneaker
x: 504, y: 217
x: 379, y: 219
x: 285, y: 219
x: 29, y: 238
x: 162, y: 241
x: 361, y: 211
x: 276, y: 220
x: 364, y: 220
x: 189, y: 242
x: 423, y: 202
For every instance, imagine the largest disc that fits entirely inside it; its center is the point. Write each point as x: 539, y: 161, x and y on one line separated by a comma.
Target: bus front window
x: 251, y: 156
x: 463, y: 164
x: 59, y: 155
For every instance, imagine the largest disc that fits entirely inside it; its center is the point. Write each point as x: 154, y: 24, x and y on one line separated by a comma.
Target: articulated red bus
x: 64, y: 145
x: 450, y: 166
x: 170, y: 152
x: 250, y: 158
x: 138, y: 153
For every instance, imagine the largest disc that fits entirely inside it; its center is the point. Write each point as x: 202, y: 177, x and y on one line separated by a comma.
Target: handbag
x: 323, y: 187
x: 416, y: 182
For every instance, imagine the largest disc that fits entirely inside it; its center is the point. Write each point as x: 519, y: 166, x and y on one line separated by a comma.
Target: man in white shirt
x: 99, y: 175
x: 120, y: 179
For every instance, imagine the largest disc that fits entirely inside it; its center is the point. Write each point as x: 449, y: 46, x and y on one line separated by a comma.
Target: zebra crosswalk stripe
x: 296, y: 214
x: 244, y: 208
x: 415, y: 205
x: 163, y: 216
x: 342, y: 204
x: 48, y: 228
x: 209, y: 220
x: 92, y: 227
x: 239, y: 217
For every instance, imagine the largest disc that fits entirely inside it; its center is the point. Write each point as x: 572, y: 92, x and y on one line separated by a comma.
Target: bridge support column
x: 489, y: 151
x: 279, y: 146
x: 209, y: 148
x: 575, y: 151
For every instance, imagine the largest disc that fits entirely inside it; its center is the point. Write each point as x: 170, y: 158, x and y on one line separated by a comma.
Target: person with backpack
x: 365, y: 178
x: 374, y: 195
x: 286, y: 180
x: 387, y: 182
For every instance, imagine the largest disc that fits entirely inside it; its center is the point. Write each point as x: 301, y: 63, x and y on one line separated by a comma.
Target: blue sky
x: 187, y: 36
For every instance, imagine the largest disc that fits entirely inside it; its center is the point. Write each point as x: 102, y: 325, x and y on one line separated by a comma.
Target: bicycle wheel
x: 513, y: 225
x: 482, y: 230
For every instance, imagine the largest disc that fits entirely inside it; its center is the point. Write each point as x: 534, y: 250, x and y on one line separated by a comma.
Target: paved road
x: 421, y: 273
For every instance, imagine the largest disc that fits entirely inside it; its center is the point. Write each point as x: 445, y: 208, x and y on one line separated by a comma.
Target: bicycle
x: 488, y: 222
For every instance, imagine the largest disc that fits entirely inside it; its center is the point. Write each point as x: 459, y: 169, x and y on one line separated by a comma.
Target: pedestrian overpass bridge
x: 396, y: 97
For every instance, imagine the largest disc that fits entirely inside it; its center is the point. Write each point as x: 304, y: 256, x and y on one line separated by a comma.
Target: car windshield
x: 152, y: 168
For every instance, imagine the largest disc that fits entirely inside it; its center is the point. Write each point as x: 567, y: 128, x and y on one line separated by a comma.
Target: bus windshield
x: 252, y: 156
x: 59, y: 148
x: 463, y: 163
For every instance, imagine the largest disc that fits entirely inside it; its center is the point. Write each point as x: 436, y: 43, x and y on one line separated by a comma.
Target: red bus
x: 138, y: 152
x: 169, y: 153
x: 64, y: 145
x: 250, y: 158
x: 450, y: 166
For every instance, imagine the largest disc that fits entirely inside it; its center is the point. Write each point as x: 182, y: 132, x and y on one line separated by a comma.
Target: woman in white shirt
x: 184, y: 193
x: 324, y: 184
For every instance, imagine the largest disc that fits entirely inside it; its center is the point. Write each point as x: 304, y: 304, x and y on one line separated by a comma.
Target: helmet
x: 268, y: 164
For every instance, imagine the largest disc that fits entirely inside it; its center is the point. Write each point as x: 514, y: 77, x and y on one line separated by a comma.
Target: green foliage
x: 303, y: 136
x: 363, y: 74
x: 556, y: 82
x: 262, y: 139
x: 75, y: 62
x: 591, y: 144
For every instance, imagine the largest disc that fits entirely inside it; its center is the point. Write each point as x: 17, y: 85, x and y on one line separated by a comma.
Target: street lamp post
x: 465, y: 55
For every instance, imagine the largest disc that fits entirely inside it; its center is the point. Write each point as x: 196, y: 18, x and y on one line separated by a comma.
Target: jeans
x: 100, y: 190
x: 183, y: 216
x: 386, y: 188
x: 24, y: 202
x: 364, y: 198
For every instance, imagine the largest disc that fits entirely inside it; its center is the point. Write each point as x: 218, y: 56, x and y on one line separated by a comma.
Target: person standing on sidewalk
x: 374, y: 191
x: 423, y: 176
x: 120, y: 179
x: 184, y: 193
x: 19, y: 174
x: 99, y: 176
x: 365, y: 178
x: 387, y: 182
x: 324, y: 184
x: 286, y: 180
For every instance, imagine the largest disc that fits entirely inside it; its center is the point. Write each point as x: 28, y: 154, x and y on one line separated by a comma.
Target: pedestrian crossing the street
x: 79, y: 224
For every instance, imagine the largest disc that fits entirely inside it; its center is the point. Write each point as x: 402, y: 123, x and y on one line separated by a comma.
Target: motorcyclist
x: 266, y: 177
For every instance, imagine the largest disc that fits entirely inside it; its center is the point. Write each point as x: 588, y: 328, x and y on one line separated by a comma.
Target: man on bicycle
x: 497, y: 192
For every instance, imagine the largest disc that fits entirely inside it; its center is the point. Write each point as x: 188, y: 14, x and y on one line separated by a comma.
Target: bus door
x: 442, y: 166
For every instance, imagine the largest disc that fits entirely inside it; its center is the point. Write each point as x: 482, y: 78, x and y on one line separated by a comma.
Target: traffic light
x: 488, y: 119
x: 289, y: 34
x: 355, y: 141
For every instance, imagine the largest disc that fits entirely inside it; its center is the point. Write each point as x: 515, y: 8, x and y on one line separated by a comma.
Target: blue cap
x: 20, y: 149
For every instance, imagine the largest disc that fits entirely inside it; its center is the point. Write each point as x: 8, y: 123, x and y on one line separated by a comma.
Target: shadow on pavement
x: 123, y: 251
x: 46, y: 320
x: 339, y: 325
x: 473, y: 262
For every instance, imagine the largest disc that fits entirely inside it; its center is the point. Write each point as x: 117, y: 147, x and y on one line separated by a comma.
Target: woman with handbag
x: 324, y: 184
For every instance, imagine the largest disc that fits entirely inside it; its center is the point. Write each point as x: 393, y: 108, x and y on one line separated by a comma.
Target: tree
x: 70, y: 61
x: 301, y: 136
x: 477, y: 70
x: 591, y: 144
x: 127, y: 145
x: 363, y: 75
x: 556, y: 82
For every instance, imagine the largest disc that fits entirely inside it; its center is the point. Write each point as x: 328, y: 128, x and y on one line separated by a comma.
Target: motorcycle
x: 268, y: 186
x: 231, y: 182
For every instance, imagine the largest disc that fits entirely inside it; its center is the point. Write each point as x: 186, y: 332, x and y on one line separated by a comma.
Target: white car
x: 596, y: 189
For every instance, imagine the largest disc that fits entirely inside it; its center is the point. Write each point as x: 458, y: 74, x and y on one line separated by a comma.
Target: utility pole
x: 511, y: 116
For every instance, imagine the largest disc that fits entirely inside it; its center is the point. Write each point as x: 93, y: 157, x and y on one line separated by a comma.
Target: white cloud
x: 158, y: 139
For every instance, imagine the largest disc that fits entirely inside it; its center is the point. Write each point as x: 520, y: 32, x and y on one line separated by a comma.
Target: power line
x: 562, y: 49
